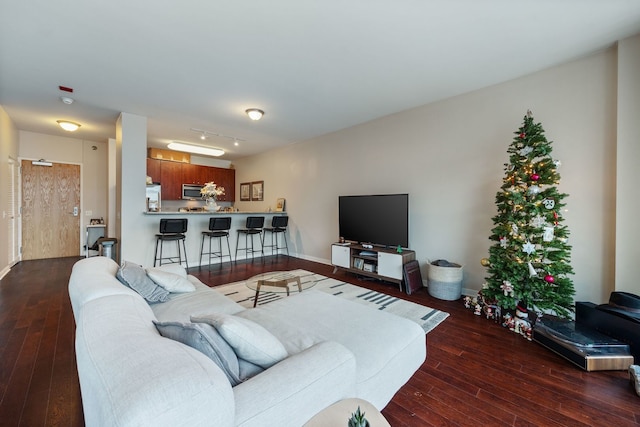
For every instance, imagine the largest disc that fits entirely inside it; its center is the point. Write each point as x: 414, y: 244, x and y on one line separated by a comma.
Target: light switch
x: 88, y: 213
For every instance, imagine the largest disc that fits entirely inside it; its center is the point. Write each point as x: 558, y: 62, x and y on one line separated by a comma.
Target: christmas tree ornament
x: 528, y: 248
x: 532, y: 271
x: 534, y: 177
x: 525, y: 151
x: 503, y: 242
x: 485, y: 262
x: 557, y: 164
x: 547, y: 235
x: 507, y: 288
x: 523, y: 135
x: 549, y: 278
x: 538, y: 221
x: 534, y: 189
x: 549, y: 203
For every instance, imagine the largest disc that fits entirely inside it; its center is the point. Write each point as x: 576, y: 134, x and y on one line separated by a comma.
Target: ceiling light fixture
x: 68, y: 126
x: 41, y: 162
x: 195, y: 149
x: 205, y: 133
x: 254, y: 113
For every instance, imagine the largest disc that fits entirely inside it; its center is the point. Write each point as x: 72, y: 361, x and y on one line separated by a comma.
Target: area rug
x: 426, y: 317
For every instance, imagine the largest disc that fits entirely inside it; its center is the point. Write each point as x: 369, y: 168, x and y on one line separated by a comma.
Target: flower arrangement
x: 211, y: 191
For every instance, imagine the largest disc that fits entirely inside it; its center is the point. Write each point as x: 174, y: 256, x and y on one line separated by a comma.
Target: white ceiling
x: 314, y: 66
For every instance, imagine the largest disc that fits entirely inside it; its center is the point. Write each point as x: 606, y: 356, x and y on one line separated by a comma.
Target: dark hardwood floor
x: 476, y: 372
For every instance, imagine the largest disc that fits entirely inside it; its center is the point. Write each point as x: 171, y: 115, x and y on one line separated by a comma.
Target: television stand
x: 377, y: 263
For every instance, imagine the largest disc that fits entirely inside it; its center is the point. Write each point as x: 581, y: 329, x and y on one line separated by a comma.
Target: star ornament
x: 537, y: 221
x: 529, y: 248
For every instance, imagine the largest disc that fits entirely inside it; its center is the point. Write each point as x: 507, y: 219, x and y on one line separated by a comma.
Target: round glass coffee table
x: 279, y: 282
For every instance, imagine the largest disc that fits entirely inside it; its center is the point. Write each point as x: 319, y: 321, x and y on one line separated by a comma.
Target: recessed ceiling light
x: 195, y: 149
x: 68, y: 126
x: 254, y: 113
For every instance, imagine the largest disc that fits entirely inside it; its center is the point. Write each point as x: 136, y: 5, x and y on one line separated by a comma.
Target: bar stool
x: 278, y: 226
x: 252, y: 228
x: 171, y: 230
x: 218, y: 228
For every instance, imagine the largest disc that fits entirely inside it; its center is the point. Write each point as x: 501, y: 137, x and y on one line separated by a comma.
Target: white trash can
x: 445, y: 280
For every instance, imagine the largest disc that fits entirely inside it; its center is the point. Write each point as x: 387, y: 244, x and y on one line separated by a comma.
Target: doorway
x: 50, y: 210
x: 13, y: 212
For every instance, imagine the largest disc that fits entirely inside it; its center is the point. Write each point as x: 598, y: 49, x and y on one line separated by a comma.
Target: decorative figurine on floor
x: 508, y: 321
x: 522, y: 325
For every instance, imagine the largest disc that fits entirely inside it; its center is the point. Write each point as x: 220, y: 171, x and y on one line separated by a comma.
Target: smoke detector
x: 66, y: 100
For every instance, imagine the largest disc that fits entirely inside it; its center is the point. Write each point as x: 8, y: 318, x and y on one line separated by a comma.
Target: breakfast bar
x: 198, y: 221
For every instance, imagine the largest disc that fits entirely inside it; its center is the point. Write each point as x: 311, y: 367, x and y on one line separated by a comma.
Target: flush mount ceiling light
x: 254, y: 113
x: 195, y: 149
x: 68, y: 126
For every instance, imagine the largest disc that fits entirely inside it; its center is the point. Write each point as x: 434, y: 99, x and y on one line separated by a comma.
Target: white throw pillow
x: 249, y: 340
x: 173, y: 268
x: 170, y: 281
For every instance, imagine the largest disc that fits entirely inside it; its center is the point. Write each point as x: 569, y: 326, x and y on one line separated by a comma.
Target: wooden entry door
x: 50, y: 210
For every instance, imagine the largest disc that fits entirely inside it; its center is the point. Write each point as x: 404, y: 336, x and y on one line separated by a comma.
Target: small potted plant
x: 358, y: 420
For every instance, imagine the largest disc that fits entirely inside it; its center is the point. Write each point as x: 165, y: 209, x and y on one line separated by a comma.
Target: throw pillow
x: 134, y: 276
x: 206, y: 340
x: 250, y: 341
x: 170, y: 281
x: 173, y: 268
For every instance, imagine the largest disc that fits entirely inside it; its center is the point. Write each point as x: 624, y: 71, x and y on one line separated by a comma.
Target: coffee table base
x: 282, y: 283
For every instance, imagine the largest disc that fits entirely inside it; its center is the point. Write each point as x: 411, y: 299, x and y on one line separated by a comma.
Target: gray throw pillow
x: 206, y: 340
x: 135, y: 277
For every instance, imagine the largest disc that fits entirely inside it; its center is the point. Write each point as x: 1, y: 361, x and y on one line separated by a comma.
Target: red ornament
x: 549, y: 278
x: 535, y: 177
x: 523, y: 135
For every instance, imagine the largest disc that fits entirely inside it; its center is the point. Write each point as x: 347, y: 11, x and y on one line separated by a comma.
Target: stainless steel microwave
x: 191, y: 191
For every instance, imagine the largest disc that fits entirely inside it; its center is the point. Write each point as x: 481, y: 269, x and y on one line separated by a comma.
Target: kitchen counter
x: 198, y: 221
x: 191, y: 212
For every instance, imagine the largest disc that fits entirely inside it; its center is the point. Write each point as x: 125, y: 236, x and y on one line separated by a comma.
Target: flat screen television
x: 381, y: 220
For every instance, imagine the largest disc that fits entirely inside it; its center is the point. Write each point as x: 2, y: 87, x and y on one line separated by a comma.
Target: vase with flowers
x: 210, y: 192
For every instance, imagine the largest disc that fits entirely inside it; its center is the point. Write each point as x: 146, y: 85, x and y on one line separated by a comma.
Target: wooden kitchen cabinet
x: 172, y: 175
x: 153, y: 169
x: 171, y: 180
x: 194, y: 174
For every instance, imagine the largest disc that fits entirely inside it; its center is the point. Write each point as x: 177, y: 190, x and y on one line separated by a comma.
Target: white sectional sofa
x: 130, y: 375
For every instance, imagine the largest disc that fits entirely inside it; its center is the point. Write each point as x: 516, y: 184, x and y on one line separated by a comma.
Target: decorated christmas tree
x: 528, y: 262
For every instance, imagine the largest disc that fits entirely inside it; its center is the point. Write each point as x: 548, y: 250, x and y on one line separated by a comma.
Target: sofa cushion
x: 134, y: 276
x: 250, y: 341
x: 170, y: 281
x: 207, y: 340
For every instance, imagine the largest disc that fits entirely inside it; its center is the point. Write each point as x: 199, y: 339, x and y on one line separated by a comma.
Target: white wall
x: 449, y: 157
x: 627, y: 251
x: 8, y: 149
x: 131, y: 153
x: 93, y: 168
